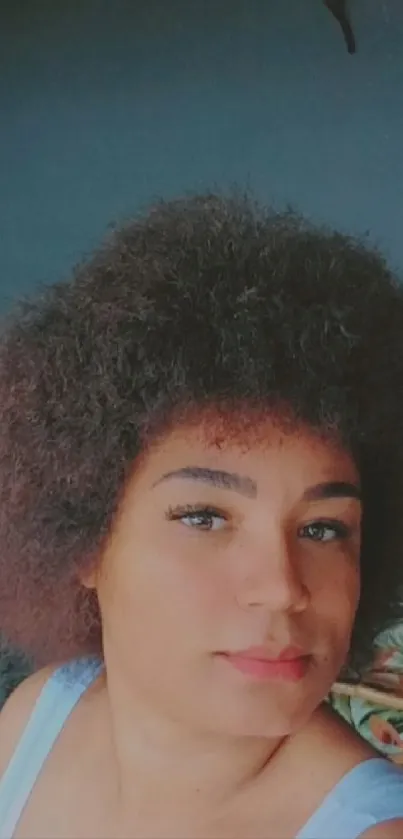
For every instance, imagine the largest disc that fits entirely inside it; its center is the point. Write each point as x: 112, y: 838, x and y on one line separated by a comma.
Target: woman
x: 201, y: 491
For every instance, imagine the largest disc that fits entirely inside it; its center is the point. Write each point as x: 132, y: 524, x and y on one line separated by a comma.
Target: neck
x: 189, y: 772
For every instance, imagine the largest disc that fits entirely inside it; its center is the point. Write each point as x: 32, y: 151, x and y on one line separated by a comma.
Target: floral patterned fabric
x: 373, y: 716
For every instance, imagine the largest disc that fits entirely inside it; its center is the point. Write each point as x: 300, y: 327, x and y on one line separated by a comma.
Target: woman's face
x: 222, y: 549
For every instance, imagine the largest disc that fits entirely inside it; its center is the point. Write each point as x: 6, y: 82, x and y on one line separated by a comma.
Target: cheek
x: 163, y: 590
x: 335, y: 596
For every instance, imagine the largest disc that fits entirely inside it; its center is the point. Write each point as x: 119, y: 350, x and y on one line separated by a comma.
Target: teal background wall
x: 108, y: 104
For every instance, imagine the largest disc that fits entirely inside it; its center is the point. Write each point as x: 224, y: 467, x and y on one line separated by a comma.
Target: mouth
x: 290, y: 665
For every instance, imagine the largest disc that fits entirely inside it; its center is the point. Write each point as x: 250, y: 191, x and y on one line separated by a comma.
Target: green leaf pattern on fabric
x: 381, y: 726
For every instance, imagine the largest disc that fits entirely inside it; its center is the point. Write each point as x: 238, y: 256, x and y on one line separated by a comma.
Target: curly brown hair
x: 209, y: 299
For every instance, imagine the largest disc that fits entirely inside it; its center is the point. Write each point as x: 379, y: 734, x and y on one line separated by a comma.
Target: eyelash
x: 189, y: 511
x: 341, y: 530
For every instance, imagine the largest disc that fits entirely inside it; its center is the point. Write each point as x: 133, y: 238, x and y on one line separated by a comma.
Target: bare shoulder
x: 388, y: 830
x: 321, y: 754
x: 333, y: 746
x: 16, y: 712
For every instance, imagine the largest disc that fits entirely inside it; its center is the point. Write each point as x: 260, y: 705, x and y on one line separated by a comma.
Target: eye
x: 199, y: 518
x: 325, y: 531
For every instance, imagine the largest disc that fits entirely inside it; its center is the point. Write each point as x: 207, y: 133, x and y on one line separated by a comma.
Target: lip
x: 264, y: 654
x: 290, y: 664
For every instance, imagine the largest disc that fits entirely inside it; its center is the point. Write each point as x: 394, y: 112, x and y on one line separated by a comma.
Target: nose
x: 273, y: 578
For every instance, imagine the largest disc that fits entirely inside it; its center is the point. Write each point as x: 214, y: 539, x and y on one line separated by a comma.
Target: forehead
x: 266, y: 452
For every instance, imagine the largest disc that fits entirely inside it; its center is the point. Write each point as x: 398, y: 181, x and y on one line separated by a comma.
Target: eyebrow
x: 333, y: 489
x: 246, y: 486
x: 216, y: 478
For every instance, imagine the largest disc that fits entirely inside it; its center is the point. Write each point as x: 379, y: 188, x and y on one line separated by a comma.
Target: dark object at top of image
x: 338, y: 8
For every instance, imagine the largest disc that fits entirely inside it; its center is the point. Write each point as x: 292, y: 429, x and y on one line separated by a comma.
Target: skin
x: 274, y: 562
x: 177, y: 590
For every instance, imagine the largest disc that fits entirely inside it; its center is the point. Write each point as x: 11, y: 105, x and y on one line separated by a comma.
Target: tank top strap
x: 371, y: 793
x: 57, y: 699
